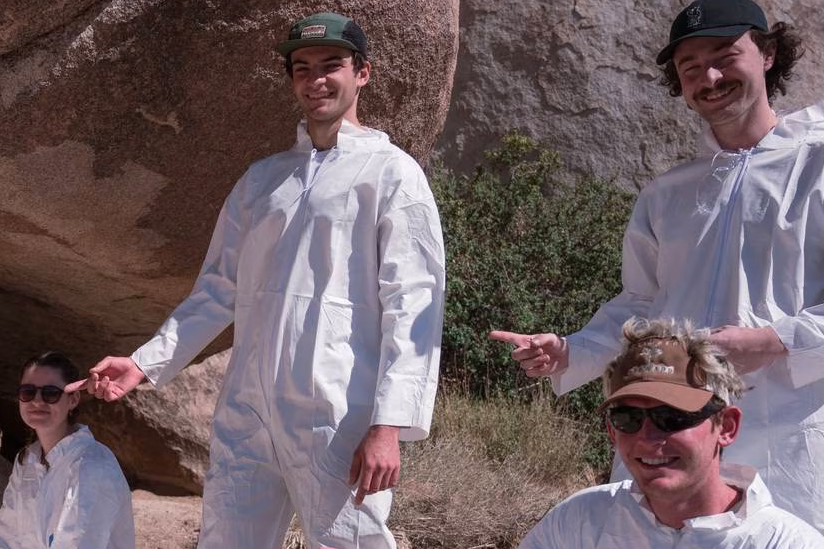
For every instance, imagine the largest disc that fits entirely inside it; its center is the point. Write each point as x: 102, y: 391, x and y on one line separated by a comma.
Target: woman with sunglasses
x: 66, y: 489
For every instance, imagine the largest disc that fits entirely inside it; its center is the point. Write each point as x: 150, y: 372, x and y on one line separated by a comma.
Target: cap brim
x: 285, y: 48
x: 733, y: 30
x: 689, y: 399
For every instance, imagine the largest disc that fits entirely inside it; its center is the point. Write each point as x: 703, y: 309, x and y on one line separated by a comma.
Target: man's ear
x: 769, y: 56
x: 610, y: 432
x: 730, y: 424
x: 362, y: 75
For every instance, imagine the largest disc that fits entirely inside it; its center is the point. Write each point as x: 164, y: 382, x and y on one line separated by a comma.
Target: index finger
x: 76, y: 386
x: 363, y: 487
x: 521, y: 340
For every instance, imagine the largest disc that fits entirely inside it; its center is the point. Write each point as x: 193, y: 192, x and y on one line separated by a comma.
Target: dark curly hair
x: 788, y: 50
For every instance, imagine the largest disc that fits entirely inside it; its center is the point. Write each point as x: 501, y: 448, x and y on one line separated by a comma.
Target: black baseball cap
x: 713, y: 18
x: 324, y: 29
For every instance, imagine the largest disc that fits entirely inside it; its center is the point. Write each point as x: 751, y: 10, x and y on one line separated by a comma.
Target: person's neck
x: 708, y: 501
x: 49, y: 438
x: 747, y: 131
x: 325, y: 134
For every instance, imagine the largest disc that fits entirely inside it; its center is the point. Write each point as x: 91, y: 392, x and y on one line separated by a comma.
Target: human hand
x: 376, y: 464
x: 748, y: 349
x: 110, y: 379
x: 538, y: 355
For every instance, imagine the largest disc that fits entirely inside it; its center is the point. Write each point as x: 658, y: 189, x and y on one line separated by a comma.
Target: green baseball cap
x: 324, y: 29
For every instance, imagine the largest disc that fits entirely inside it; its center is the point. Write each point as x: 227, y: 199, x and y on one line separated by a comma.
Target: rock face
x: 161, y: 438
x: 580, y: 75
x: 125, y: 123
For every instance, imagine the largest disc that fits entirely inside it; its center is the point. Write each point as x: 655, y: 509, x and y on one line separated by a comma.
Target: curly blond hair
x: 715, y: 371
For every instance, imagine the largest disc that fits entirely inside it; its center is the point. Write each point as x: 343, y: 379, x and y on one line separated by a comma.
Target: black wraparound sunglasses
x: 629, y: 419
x: 49, y: 393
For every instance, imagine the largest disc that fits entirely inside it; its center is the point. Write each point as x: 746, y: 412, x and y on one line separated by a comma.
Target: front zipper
x: 745, y: 155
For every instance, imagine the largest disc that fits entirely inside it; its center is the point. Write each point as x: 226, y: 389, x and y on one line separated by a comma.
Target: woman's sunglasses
x: 629, y: 419
x: 49, y: 393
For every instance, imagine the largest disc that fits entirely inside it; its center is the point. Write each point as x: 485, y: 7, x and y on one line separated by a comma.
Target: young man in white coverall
x: 734, y: 241
x: 669, y: 413
x: 329, y: 259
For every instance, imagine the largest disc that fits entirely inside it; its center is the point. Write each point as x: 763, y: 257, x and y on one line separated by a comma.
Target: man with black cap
x: 329, y: 260
x: 731, y: 240
x: 670, y: 413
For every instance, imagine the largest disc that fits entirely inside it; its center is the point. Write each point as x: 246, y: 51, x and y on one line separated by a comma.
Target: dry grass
x: 488, y: 473
x: 294, y: 537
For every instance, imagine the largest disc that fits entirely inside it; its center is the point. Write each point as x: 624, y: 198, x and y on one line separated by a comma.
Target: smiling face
x: 326, y: 84
x: 46, y: 418
x: 679, y: 468
x: 722, y: 79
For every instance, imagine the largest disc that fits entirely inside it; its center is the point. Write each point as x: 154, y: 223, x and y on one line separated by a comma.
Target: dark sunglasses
x: 49, y: 393
x: 629, y: 419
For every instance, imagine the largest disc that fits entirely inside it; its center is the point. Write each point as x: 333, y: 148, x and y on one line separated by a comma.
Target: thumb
x: 550, y: 342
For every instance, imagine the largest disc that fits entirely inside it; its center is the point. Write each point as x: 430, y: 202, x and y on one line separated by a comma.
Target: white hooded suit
x: 737, y: 238
x: 80, y: 501
x: 332, y: 269
x: 617, y: 516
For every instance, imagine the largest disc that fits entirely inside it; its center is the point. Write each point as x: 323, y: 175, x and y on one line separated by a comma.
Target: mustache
x: 721, y: 87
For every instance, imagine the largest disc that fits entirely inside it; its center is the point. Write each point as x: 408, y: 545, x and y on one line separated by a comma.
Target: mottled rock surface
x: 581, y: 75
x: 161, y: 437
x: 125, y: 123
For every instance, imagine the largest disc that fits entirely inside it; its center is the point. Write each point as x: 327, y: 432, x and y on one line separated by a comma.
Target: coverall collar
x: 350, y: 137
x: 68, y: 445
x: 791, y: 130
x: 743, y: 477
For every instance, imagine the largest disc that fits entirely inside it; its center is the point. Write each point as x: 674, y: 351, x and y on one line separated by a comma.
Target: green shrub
x: 528, y: 253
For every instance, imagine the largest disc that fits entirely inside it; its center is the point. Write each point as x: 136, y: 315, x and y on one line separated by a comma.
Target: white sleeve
x: 97, y: 498
x: 9, y: 512
x: 598, y: 342
x: 411, y: 279
x: 210, y: 306
x: 803, y: 336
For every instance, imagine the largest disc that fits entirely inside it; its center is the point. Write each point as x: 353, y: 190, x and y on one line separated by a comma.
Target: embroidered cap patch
x: 313, y: 31
x: 694, y: 16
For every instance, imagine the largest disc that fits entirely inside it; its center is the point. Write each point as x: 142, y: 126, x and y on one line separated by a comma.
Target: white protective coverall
x: 81, y: 501
x: 335, y: 284
x: 737, y: 238
x: 617, y: 516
